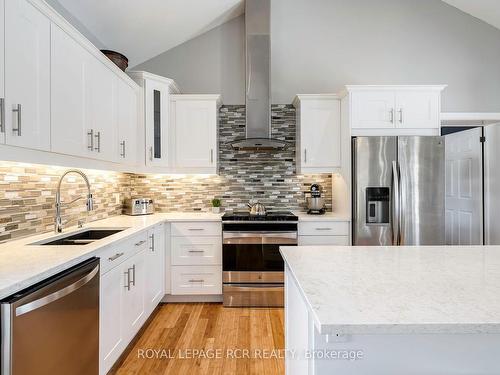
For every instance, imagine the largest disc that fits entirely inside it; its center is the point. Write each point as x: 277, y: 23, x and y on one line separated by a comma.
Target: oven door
x: 255, y: 251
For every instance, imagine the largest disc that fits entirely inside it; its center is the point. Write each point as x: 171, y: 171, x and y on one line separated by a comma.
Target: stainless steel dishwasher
x: 53, y: 326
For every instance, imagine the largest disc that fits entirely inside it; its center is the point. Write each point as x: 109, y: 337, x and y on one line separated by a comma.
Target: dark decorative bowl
x: 118, y: 59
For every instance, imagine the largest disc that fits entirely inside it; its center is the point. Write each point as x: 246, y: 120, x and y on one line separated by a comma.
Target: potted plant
x: 216, y: 203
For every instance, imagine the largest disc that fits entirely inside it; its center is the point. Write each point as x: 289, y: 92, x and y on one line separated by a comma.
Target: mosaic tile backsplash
x: 27, y: 191
x: 27, y: 196
x: 243, y: 175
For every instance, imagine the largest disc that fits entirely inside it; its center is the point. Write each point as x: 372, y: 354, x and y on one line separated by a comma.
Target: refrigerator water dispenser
x: 377, y: 205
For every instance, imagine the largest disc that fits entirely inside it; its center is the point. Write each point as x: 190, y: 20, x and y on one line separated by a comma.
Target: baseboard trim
x: 168, y: 298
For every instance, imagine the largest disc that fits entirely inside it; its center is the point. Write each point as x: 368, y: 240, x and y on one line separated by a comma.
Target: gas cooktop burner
x: 270, y: 216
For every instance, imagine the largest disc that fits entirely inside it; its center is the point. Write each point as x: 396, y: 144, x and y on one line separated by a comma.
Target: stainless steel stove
x: 253, y: 269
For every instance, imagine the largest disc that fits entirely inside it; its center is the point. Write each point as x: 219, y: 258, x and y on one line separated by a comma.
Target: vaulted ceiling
x: 486, y: 10
x: 143, y: 29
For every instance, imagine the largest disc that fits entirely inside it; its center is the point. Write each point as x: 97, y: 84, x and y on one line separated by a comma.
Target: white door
x: 101, y: 110
x: 418, y: 109
x: 464, y: 190
x: 69, y: 76
x: 2, y: 74
x: 320, y: 135
x: 156, y: 111
x: 27, y: 76
x: 195, y: 133
x: 492, y: 184
x: 155, y: 265
x: 133, y: 298
x: 373, y: 109
x: 127, y: 122
x: 111, y: 341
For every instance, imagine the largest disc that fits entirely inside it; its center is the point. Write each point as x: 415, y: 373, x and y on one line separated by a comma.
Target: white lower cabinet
x: 132, y: 285
x: 196, y: 258
x: 155, y: 266
x: 196, y: 280
x: 122, y: 308
x: 111, y: 341
x: 324, y: 233
x: 189, y: 251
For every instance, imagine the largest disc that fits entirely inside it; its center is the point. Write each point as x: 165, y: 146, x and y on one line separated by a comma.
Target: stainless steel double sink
x: 81, y: 237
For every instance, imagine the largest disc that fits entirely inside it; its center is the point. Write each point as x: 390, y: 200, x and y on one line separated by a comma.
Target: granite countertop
x: 399, y: 290
x: 22, y: 264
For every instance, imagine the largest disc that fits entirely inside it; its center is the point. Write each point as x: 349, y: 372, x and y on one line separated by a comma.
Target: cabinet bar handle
x: 122, y: 144
x: 392, y: 115
x: 151, y: 153
x: 211, y: 156
x: 2, y: 115
x: 133, y: 275
x: 18, y: 110
x: 400, y: 115
x: 114, y: 257
x: 98, y: 137
x: 91, y: 143
x: 196, y: 251
x: 196, y: 281
x: 323, y: 228
x: 152, y: 247
x: 196, y: 229
x: 140, y: 243
x: 305, y: 155
x: 127, y: 273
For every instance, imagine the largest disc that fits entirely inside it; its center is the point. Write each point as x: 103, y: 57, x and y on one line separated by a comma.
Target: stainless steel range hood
x: 258, y: 79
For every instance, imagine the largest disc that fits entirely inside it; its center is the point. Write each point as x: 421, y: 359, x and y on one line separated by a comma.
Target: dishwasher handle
x: 36, y: 304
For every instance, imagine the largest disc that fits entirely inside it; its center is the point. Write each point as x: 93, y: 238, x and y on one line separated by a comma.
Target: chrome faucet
x: 58, y: 224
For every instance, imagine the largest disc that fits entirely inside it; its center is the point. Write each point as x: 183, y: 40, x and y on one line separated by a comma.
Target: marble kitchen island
x: 392, y: 310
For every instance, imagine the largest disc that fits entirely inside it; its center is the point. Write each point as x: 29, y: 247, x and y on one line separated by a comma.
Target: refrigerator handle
x: 396, y: 208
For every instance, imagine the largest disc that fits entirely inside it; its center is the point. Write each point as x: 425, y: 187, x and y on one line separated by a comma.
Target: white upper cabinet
x: 27, y: 76
x: 194, y: 129
x: 318, y: 133
x: 373, y: 109
x: 418, y: 109
x: 127, y: 122
x: 394, y: 110
x: 156, y: 93
x: 101, y: 111
x: 2, y: 74
x: 69, y: 78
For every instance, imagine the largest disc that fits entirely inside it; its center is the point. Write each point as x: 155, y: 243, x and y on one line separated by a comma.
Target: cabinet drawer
x: 196, y: 250
x: 195, y: 228
x: 117, y: 253
x: 324, y: 240
x: 324, y: 228
x: 196, y: 280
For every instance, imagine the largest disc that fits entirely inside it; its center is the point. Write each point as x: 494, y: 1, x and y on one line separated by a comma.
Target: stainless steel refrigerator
x: 398, y: 190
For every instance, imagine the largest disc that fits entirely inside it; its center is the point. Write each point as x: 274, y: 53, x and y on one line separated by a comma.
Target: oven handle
x: 242, y: 238
x: 263, y: 234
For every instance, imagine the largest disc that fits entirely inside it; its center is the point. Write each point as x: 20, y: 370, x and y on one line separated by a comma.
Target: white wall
x: 212, y: 63
x: 75, y: 22
x: 320, y: 45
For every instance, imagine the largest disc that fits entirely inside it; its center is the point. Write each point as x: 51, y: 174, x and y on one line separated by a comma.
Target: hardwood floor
x: 181, y: 338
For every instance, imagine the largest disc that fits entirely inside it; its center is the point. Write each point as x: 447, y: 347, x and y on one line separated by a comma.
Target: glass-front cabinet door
x: 156, y: 108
